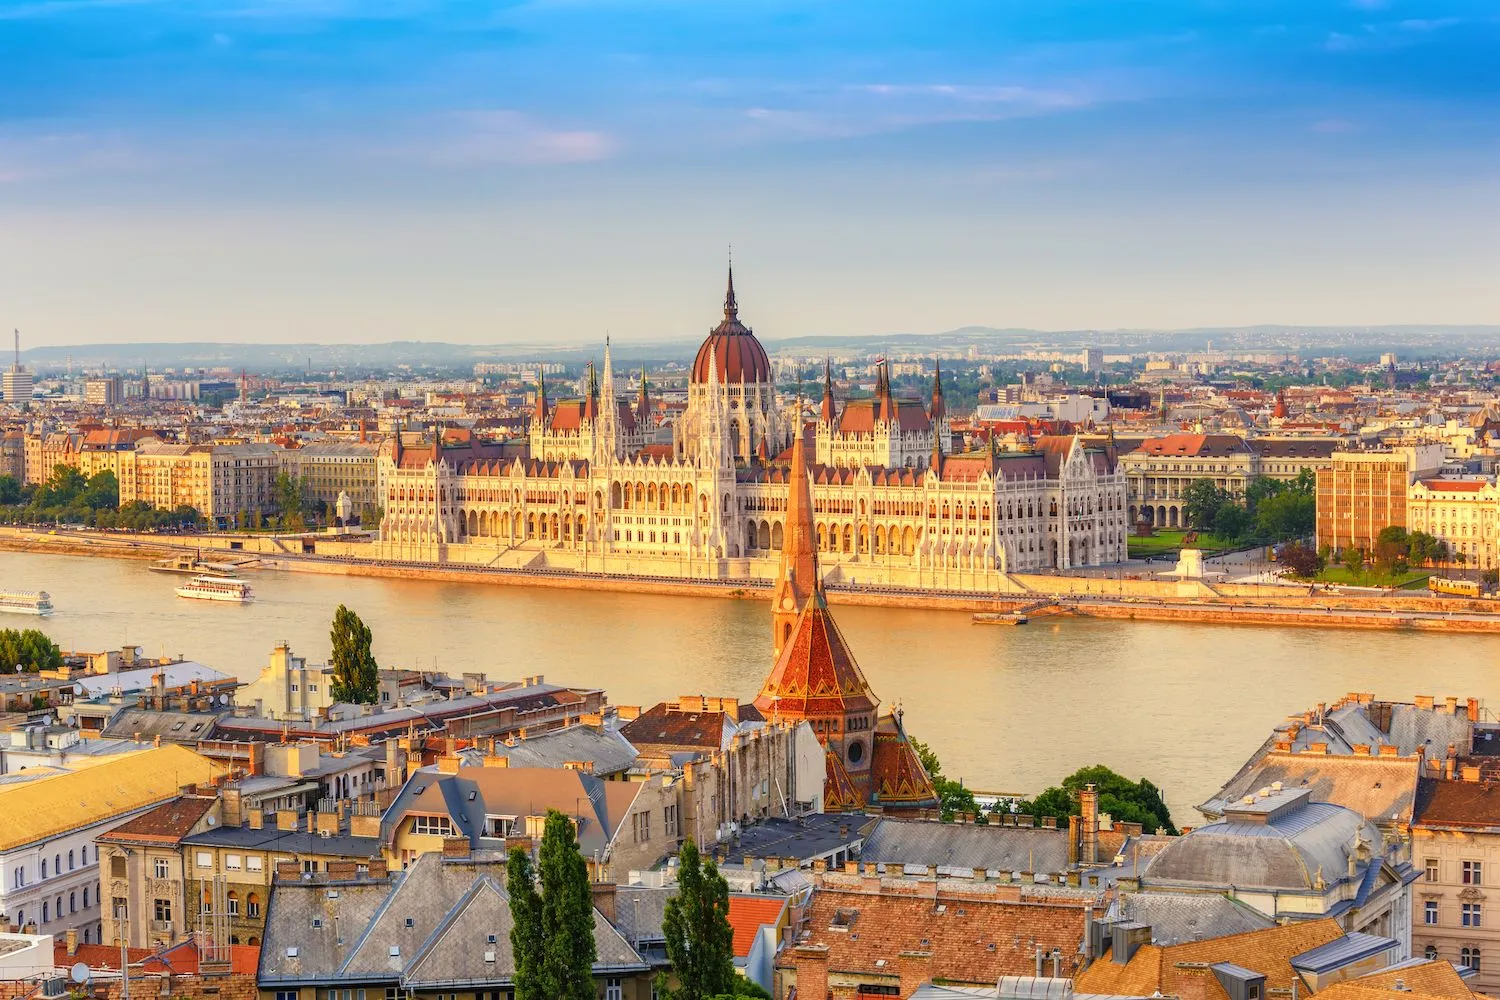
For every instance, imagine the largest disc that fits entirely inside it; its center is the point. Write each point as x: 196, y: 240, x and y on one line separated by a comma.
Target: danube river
x: 1007, y: 709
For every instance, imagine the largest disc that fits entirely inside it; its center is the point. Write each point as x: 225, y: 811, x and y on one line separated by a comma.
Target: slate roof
x: 187, y: 728
x: 804, y: 838
x: 1284, y: 852
x: 427, y: 927
x: 515, y: 791
x: 1382, y: 788
x: 994, y: 848
x: 301, y: 842
x: 1352, y: 947
x: 609, y: 750
x: 1177, y: 918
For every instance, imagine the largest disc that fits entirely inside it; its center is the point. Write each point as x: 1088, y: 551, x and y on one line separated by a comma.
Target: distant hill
x: 1310, y: 340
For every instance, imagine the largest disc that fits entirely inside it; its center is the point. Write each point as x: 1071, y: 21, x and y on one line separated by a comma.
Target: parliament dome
x: 741, y: 360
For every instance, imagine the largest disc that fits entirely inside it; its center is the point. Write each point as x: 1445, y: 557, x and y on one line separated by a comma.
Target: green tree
x: 356, y: 676
x: 700, y: 942
x: 1231, y: 522
x: 1202, y: 499
x: 28, y: 651
x: 1262, y: 488
x: 101, y: 491
x: 1125, y: 800
x: 1353, y: 559
x: 1392, y: 548
x: 10, y: 490
x: 953, y: 797
x: 526, y: 926
x: 1286, y: 515
x: 568, y: 953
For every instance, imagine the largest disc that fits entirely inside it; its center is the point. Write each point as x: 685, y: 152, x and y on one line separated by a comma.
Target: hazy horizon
x: 345, y: 172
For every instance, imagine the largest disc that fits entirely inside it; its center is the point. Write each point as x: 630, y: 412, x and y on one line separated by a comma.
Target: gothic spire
x: 797, y: 579
x: 827, y: 391
x: 731, y: 307
x: 938, y: 410
x: 643, y: 405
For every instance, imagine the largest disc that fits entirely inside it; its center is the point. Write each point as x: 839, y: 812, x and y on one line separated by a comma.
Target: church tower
x: 798, y: 575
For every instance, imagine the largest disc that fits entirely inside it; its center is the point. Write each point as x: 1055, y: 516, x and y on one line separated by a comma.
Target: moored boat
x: 216, y: 588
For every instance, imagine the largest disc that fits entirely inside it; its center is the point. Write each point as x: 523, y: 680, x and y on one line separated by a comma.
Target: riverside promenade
x: 1123, y: 596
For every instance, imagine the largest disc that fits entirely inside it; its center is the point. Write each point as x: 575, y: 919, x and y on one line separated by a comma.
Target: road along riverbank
x: 1086, y: 597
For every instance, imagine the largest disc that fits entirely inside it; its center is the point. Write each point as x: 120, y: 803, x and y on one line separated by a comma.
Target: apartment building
x: 327, y: 469
x: 1159, y: 471
x: 1362, y: 492
x: 1464, y: 512
x: 219, y: 481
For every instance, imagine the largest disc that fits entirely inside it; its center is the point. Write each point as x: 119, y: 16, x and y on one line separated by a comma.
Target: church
x: 595, y: 491
x: 815, y: 679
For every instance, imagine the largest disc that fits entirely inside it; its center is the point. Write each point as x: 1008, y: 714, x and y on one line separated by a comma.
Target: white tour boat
x: 25, y: 602
x: 216, y: 588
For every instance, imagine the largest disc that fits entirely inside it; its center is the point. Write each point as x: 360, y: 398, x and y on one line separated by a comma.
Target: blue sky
x: 549, y: 171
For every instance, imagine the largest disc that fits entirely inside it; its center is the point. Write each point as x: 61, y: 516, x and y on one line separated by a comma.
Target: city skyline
x: 557, y: 171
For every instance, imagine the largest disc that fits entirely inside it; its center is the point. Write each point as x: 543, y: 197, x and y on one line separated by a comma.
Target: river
x: 1007, y: 709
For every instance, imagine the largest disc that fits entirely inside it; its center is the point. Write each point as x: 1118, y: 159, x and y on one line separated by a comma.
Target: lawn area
x: 1412, y: 579
x: 1167, y: 542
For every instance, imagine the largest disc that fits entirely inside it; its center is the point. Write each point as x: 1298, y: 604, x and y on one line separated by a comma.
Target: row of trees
x: 552, y: 933
x: 1396, y: 552
x: 27, y: 651
x: 1272, y: 510
x: 68, y: 497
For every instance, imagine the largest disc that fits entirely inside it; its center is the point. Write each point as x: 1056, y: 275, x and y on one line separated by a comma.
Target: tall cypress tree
x: 700, y: 942
x: 526, y: 926
x: 356, y: 675
x: 567, y: 925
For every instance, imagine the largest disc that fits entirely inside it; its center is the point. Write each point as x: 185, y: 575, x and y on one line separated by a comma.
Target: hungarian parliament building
x: 596, y: 491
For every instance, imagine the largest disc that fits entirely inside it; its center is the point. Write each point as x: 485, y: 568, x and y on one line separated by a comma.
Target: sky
x: 556, y: 171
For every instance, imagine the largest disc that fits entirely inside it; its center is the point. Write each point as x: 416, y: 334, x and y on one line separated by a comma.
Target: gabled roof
x: 748, y: 914
x: 993, y: 848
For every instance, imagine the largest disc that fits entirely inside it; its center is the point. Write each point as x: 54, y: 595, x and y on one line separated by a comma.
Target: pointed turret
x: 541, y: 396
x: 827, y: 413
x: 591, y: 397
x: 937, y: 410
x: 731, y: 307
x: 798, y: 579
x: 643, y: 404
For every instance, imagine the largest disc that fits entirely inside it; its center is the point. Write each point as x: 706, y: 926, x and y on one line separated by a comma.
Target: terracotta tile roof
x: 897, y: 779
x: 1456, y: 485
x: 748, y: 914
x: 1436, y: 978
x: 1458, y: 805
x: 1154, y: 968
x: 663, y: 725
x: 1194, y: 445
x: 974, y: 939
x: 166, y: 824
x: 1355, y: 989
x: 816, y: 675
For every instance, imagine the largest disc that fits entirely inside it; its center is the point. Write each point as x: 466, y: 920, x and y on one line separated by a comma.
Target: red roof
x: 737, y: 354
x: 816, y: 675
x: 1456, y: 485
x: 748, y: 914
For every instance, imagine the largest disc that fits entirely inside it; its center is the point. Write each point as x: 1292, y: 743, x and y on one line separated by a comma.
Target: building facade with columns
x: 598, y: 492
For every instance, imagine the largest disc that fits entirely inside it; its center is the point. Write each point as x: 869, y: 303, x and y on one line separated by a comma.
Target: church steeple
x: 798, y: 578
x: 643, y: 404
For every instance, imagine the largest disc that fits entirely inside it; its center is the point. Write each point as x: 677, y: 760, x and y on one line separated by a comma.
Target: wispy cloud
x: 480, y: 137
x: 48, y: 155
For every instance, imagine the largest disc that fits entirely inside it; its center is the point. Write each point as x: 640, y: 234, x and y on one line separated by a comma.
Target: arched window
x: 1431, y: 952
x: 70, y: 861
x: 46, y: 911
x: 85, y: 897
x: 72, y: 902
x: 1468, y: 956
x: 44, y: 868
x: 252, y: 905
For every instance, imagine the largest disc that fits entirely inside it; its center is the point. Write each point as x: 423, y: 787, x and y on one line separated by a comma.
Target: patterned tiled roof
x: 897, y: 778
x: 816, y: 675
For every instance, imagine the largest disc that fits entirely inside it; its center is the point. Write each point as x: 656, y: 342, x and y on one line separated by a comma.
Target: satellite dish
x: 212, y: 821
x: 223, y: 699
x: 80, y: 973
